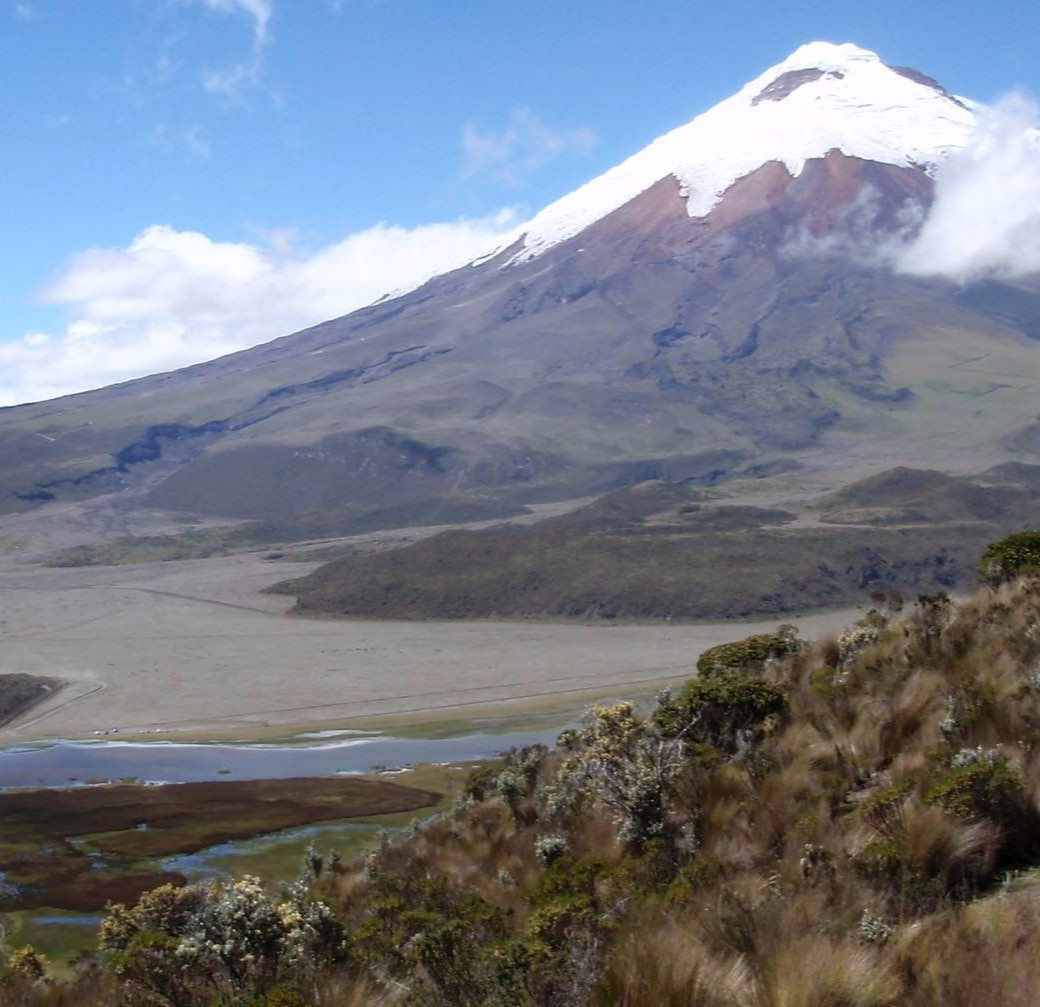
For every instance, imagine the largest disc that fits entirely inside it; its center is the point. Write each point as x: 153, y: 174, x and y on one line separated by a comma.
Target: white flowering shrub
x: 950, y: 725
x: 548, y: 849
x: 621, y: 762
x: 238, y: 933
x: 977, y: 756
x: 511, y: 786
x: 178, y: 945
x: 855, y: 640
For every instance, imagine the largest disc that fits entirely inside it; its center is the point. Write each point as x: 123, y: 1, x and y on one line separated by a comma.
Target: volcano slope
x: 716, y: 303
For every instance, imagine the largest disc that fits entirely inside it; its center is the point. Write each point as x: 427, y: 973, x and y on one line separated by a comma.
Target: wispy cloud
x: 260, y: 11
x: 196, y: 143
x: 232, y: 81
x: 985, y: 221
x: 24, y: 11
x: 191, y: 141
x: 172, y: 298
x: 522, y: 147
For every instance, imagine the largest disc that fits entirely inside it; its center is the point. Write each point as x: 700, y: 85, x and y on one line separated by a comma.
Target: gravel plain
x: 194, y: 646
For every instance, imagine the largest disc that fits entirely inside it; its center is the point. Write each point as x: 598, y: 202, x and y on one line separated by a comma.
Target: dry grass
x: 851, y: 854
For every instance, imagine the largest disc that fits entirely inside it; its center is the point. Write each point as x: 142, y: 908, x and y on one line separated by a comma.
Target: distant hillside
x: 919, y: 496
x: 19, y: 693
x: 668, y: 551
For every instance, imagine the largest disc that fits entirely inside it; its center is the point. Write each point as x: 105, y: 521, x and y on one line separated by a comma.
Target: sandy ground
x: 194, y: 647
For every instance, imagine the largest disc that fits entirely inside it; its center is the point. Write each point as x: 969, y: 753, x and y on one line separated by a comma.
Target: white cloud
x: 985, y: 221
x: 260, y: 11
x: 522, y: 147
x: 172, y: 298
x: 24, y: 11
x: 233, y: 80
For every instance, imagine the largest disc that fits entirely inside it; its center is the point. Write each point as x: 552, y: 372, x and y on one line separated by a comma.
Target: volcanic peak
x: 822, y: 98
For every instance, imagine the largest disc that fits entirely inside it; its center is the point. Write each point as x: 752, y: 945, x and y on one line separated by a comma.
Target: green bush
x: 705, y: 872
x: 984, y: 788
x: 717, y: 711
x: 748, y: 654
x: 1010, y: 558
x: 882, y: 860
x: 569, y: 876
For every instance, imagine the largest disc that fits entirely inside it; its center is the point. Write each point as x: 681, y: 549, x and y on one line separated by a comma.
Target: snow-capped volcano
x: 822, y: 98
x: 712, y: 306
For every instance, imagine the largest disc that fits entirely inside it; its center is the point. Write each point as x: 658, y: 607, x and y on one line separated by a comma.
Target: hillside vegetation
x: 850, y: 823
x: 654, y: 551
x: 20, y: 692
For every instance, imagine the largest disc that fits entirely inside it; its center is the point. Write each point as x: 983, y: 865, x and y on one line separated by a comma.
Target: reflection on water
x: 68, y: 763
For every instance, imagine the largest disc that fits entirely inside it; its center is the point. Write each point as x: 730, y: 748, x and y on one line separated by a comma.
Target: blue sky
x: 273, y: 131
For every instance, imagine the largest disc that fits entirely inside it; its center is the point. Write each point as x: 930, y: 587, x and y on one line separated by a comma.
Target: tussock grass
x: 872, y: 841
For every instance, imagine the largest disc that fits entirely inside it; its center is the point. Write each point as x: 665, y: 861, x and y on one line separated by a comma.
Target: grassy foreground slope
x: 851, y: 823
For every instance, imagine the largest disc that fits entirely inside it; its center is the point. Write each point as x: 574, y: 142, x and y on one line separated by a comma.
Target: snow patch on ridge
x: 856, y: 105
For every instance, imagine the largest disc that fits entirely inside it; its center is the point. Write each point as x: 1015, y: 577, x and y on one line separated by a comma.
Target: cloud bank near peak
x: 985, y: 220
x: 172, y: 298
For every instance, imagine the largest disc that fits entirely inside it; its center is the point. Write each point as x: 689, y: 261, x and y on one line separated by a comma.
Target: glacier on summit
x: 823, y: 97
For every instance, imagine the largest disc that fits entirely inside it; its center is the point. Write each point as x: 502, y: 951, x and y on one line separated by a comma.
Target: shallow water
x: 67, y: 763
x: 286, y: 847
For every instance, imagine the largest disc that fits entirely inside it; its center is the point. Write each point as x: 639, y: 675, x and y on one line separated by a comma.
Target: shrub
x: 719, y: 711
x: 873, y: 929
x: 748, y: 654
x: 703, y: 873
x: 624, y: 764
x: 28, y: 963
x: 1009, y: 558
x: 980, y: 784
x: 855, y: 640
x: 480, y: 783
x: 511, y: 786
x: 549, y: 849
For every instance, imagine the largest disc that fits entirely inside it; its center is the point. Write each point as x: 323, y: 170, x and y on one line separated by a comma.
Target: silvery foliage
x: 621, y: 762
x: 855, y: 640
x: 242, y: 934
x: 549, y: 848
x: 950, y: 724
x: 510, y: 785
x: 462, y: 806
x: 954, y: 721
x: 976, y: 756
x: 873, y: 929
